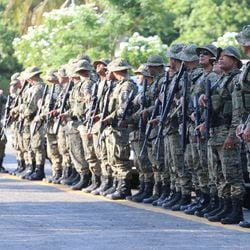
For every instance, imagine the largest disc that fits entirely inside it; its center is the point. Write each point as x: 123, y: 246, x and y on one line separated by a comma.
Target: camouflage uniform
x: 3, y: 139
x: 35, y: 147
x: 117, y: 138
x: 230, y: 184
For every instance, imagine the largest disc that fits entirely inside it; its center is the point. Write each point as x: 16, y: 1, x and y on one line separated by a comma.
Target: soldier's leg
x: 118, y: 155
x: 234, y: 184
x: 38, y: 147
x: 78, y: 159
x: 183, y: 174
x: 143, y: 166
x: 92, y: 159
x: 3, y: 141
x: 55, y: 157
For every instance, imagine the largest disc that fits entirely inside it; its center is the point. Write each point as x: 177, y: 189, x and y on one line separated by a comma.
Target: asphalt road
x: 40, y: 216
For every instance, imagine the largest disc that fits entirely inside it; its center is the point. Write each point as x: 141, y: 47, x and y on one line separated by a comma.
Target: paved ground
x: 36, y: 215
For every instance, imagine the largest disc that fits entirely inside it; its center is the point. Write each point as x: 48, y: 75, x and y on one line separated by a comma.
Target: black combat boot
x: 20, y: 168
x: 82, y: 183
x: 165, y: 193
x: 57, y: 176
x: 140, y: 191
x: 227, y: 209
x: 245, y: 224
x: 213, y: 204
x: 147, y: 192
x: 71, y: 178
x: 107, y: 182
x: 2, y: 169
x: 95, y: 183
x: 174, y: 200
x: 29, y: 171
x: 156, y: 194
x: 65, y: 174
x: 203, y: 202
x: 185, y: 199
x: 123, y: 190
x: 236, y: 215
x: 217, y: 209
x: 38, y: 174
x: 112, y: 189
x: 167, y: 199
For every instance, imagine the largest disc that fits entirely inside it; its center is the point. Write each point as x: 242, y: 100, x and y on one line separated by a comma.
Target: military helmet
x: 118, y: 64
x: 174, y: 51
x: 143, y: 69
x: 82, y: 65
x: 244, y: 36
x: 31, y: 71
x: 188, y: 53
x: 51, y: 75
x: 83, y: 57
x: 232, y: 52
x: 209, y: 47
x: 14, y: 78
x: 104, y: 61
x: 62, y: 71
x: 155, y: 61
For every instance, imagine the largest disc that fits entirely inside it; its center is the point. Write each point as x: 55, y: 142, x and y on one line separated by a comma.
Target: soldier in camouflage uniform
x: 100, y: 149
x: 3, y: 139
x: 34, y: 150
x: 75, y: 116
x: 161, y: 177
x: 15, y: 87
x: 170, y: 132
x: 242, y: 98
x: 223, y: 141
x: 137, y: 137
x: 46, y: 116
x: 117, y: 137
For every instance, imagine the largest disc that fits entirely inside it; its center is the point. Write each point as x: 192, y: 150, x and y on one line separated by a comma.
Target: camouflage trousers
x: 89, y: 151
x: 24, y: 143
x: 141, y: 163
x: 63, y: 147
x: 178, y: 159
x: 168, y: 161
x: 53, y: 153
x: 161, y: 174
x: 100, y: 145
x: 232, y: 184
x: 76, y: 148
x: 247, y: 145
x: 118, y: 151
x: 3, y: 141
x: 37, y: 146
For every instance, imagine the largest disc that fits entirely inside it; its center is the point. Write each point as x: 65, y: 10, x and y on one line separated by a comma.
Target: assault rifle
x: 51, y: 103
x: 184, y: 118
x: 38, y: 124
x: 104, y: 111
x: 126, y: 108
x: 197, y: 121
x: 93, y: 106
x: 167, y: 107
x: 207, y: 109
x: 63, y: 105
x: 244, y: 125
x: 154, y: 114
x: 141, y: 125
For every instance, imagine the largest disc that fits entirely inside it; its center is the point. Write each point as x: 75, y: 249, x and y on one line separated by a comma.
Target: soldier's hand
x: 193, y: 116
x: 246, y: 135
x: 202, y: 100
x: 12, y: 113
x: 89, y: 136
x: 229, y: 143
x: 97, y: 118
x: 201, y: 128
x: 63, y: 116
x: 37, y: 119
x: 154, y: 122
x: 238, y: 130
x: 145, y: 114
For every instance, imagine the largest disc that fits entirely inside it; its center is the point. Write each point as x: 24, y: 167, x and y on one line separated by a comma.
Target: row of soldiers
x: 185, y: 126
